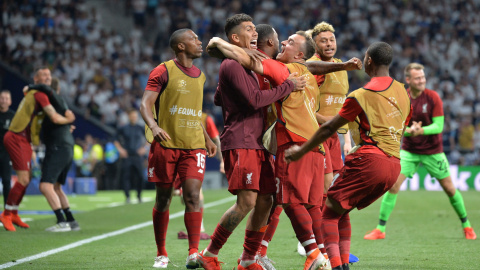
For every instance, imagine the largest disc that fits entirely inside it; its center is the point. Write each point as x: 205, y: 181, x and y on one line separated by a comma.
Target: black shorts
x: 56, y: 164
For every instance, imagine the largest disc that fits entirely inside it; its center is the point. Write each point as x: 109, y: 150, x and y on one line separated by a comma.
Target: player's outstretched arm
x: 250, y: 59
x: 148, y: 101
x: 324, y: 132
x: 321, y: 67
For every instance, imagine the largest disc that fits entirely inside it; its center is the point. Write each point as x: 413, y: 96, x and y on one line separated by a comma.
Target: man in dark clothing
x: 59, y: 144
x: 6, y: 115
x: 131, y: 145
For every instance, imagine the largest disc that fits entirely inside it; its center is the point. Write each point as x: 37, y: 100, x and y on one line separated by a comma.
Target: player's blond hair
x: 322, y: 27
x: 309, y: 33
x: 411, y: 66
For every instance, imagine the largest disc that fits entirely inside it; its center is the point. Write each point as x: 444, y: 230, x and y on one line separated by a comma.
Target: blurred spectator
x: 112, y: 167
x: 92, y: 156
x: 130, y: 142
x: 466, y: 135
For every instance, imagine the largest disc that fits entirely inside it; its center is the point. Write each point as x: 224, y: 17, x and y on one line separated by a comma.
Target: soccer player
x: 58, y: 159
x: 6, y: 115
x: 17, y: 142
x: 333, y: 90
x: 248, y: 166
x: 131, y: 144
x: 373, y: 167
x: 423, y: 144
x: 172, y: 108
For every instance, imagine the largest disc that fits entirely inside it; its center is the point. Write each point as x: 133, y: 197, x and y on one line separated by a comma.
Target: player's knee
x: 162, y: 203
x: 448, y: 186
x: 246, y: 206
x: 191, y: 198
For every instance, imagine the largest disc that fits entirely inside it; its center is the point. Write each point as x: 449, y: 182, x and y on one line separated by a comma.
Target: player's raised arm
x: 322, y: 67
x: 250, y: 59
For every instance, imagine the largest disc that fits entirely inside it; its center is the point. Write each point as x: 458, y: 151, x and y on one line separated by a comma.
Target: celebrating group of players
x: 273, y: 103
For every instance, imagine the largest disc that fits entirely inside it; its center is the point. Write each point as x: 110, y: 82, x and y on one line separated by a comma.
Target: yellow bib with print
x: 180, y: 110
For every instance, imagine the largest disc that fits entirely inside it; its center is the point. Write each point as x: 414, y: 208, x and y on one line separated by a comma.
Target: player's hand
x: 299, y: 82
x: 213, y: 42
x: 353, y: 64
x: 72, y: 128
x: 212, y: 49
x: 293, y: 154
x: 211, y: 148
x: 255, y: 55
x: 159, y: 134
x: 416, y: 129
x: 70, y: 116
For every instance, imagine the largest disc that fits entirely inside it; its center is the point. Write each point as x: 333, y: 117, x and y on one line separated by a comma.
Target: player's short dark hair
x: 6, y: 91
x: 381, y: 53
x: 176, y: 38
x: 265, y: 32
x: 308, y: 48
x: 37, y: 69
x: 235, y: 21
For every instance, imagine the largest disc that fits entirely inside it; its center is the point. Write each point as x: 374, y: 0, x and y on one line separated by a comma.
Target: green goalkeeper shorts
x: 436, y: 164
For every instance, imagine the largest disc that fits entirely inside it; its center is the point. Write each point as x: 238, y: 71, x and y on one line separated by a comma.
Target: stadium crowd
x: 104, y: 73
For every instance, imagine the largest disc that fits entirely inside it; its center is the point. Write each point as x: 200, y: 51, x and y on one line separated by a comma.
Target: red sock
x: 330, y: 235
x: 345, y: 232
x: 316, y: 215
x: 219, y: 238
x: 160, y: 225
x: 15, y: 197
x: 302, y: 225
x: 252, y: 242
x: 272, y: 226
x: 193, y: 221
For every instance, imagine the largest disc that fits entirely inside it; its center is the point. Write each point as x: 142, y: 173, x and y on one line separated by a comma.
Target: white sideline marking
x: 103, y: 236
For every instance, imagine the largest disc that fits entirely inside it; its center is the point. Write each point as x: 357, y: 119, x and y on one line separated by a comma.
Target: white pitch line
x: 103, y: 236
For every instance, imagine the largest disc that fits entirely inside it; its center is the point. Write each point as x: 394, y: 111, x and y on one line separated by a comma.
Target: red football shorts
x: 299, y: 181
x: 19, y: 149
x: 164, y: 164
x: 364, y: 178
x: 249, y: 169
x: 335, y: 152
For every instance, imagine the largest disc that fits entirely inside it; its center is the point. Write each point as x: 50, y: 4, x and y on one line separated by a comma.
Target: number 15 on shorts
x: 201, y: 160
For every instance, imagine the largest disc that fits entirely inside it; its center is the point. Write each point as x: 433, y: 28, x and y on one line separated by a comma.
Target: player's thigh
x: 437, y: 165
x: 409, y: 163
x: 162, y: 164
x: 243, y: 168
x: 191, y: 164
x: 19, y: 150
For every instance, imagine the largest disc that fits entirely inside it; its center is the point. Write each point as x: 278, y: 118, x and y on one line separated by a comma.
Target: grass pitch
x: 422, y: 233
